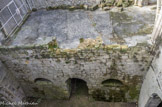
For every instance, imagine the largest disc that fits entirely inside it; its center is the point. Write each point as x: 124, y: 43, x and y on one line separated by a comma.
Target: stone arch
x: 154, y: 101
x: 77, y: 86
x: 40, y: 87
x: 42, y: 80
x: 45, y: 88
x: 112, y: 83
x: 112, y: 90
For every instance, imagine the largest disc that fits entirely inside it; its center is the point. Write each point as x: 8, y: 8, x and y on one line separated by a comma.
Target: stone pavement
x: 68, y: 27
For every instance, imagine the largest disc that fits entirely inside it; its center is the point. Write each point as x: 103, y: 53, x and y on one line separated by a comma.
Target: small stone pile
x: 106, y: 4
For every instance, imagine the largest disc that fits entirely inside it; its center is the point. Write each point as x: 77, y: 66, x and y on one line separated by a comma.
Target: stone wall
x: 144, y: 2
x: 1, y: 37
x: 10, y: 89
x: 53, y: 3
x: 38, y: 4
x: 151, y: 91
x: 152, y: 1
x: 44, y: 70
x: 83, y: 4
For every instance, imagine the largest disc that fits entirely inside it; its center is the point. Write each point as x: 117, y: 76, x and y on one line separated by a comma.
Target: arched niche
x: 112, y: 83
x: 42, y: 81
x: 112, y: 90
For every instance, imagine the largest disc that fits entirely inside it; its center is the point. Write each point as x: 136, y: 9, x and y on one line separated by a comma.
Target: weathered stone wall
x: 53, y: 3
x: 38, y: 4
x: 91, y: 4
x: 149, y: 88
x: 152, y: 85
x: 10, y: 89
x: 94, y: 64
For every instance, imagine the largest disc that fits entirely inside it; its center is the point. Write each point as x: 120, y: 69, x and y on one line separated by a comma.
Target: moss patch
x: 53, y: 44
x: 133, y: 92
x: 145, y: 30
x: 102, y: 4
x: 81, y: 40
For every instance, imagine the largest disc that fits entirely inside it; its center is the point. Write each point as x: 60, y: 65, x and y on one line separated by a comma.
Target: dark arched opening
x: 37, y: 80
x: 154, y: 101
x: 77, y: 87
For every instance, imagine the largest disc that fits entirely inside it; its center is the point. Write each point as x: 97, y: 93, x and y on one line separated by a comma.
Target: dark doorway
x: 78, y: 87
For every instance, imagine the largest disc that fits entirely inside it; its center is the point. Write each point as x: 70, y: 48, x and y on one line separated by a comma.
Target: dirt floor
x: 82, y: 101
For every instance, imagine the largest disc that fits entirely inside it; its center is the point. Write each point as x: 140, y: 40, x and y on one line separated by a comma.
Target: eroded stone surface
x: 10, y: 89
x: 92, y: 62
x: 69, y: 26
